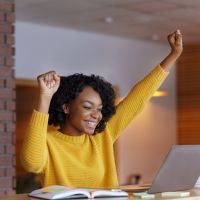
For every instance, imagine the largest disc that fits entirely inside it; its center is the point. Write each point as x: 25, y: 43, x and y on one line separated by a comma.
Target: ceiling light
x: 108, y: 20
x: 155, y: 37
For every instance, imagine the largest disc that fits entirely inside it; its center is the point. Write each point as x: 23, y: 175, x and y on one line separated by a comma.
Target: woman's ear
x: 65, y: 108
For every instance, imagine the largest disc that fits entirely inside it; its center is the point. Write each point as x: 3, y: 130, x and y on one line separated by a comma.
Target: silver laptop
x: 179, y: 171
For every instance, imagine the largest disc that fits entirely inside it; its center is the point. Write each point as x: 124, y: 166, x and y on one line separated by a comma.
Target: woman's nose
x: 95, y: 114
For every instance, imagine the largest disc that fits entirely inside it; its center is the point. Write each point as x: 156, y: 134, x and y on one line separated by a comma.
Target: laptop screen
x: 179, y: 171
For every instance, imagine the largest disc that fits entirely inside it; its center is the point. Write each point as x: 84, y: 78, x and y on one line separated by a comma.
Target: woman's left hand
x: 175, y: 41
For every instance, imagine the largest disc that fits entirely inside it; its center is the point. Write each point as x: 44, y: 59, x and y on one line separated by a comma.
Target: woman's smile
x: 91, y: 123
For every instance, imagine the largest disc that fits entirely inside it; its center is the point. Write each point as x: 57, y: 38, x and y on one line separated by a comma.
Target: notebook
x: 179, y: 171
x: 62, y: 192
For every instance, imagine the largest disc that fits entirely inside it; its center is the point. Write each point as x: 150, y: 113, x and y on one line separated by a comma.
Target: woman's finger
x: 171, y: 38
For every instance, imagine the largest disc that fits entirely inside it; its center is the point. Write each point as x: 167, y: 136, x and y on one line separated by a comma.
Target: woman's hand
x: 175, y: 41
x: 48, y: 83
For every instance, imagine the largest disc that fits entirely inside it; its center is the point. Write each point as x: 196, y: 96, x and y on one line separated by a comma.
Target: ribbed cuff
x: 153, y: 81
x: 41, y: 119
x: 161, y: 72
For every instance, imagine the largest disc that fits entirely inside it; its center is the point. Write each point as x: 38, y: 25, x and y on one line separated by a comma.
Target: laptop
x: 180, y: 171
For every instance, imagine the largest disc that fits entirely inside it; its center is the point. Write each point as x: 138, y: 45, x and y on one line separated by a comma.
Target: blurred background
x: 121, y: 40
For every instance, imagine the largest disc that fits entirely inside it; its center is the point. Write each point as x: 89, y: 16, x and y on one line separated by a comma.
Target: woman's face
x: 84, y: 113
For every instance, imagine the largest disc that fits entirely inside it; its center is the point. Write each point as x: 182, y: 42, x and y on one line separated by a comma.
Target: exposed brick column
x: 7, y: 97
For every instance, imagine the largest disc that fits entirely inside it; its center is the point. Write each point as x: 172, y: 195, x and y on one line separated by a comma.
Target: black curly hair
x: 69, y: 89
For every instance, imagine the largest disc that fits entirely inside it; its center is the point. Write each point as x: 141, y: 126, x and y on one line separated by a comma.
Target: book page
x: 57, y: 191
x: 108, y: 193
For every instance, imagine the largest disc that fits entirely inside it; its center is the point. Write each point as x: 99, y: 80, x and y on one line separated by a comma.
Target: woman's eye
x: 86, y: 107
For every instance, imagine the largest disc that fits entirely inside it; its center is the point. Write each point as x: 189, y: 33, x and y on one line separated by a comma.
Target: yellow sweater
x: 86, y: 160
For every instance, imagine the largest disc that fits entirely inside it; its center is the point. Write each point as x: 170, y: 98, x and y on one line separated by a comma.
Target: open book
x: 59, y: 192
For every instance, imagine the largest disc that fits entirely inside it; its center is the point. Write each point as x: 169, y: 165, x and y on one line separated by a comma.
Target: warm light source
x: 160, y: 93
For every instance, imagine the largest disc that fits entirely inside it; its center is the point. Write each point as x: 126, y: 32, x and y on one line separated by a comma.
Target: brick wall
x: 7, y: 97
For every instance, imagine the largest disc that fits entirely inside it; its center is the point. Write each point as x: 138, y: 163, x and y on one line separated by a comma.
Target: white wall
x: 122, y: 62
x: 145, y: 142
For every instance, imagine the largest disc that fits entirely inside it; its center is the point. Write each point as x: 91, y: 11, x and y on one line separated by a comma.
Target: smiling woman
x: 80, y: 152
x: 80, y: 100
x: 85, y: 113
x: 82, y: 104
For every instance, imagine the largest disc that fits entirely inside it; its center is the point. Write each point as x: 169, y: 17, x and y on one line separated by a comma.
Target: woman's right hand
x: 48, y: 83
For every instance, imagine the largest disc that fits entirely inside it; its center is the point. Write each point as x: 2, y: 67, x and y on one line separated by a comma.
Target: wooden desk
x: 195, y: 195
x: 16, y: 197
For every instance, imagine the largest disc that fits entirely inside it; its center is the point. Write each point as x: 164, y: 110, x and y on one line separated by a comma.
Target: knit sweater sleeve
x: 135, y: 101
x: 34, y: 148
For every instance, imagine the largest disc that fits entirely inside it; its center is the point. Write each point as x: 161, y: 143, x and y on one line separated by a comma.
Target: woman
x: 80, y: 152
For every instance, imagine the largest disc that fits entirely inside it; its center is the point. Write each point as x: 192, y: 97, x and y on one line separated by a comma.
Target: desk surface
x: 195, y: 195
